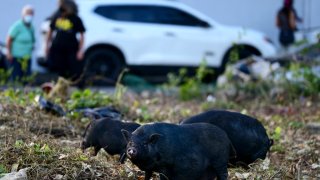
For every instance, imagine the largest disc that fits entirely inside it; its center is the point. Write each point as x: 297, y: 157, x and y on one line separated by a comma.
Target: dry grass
x: 49, y: 145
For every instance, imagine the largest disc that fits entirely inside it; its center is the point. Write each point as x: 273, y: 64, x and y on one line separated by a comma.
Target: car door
x: 133, y: 31
x: 187, y: 39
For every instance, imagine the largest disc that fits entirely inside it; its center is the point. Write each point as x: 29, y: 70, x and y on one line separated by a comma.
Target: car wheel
x: 103, y: 66
x: 240, y: 52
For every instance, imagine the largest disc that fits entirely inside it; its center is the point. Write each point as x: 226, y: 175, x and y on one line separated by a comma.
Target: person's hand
x: 9, y: 57
x: 79, y: 55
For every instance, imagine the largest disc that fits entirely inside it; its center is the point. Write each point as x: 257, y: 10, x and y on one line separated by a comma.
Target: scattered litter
x: 265, y: 164
x: 58, y: 177
x: 63, y: 156
x: 95, y: 113
x: 211, y: 98
x: 313, y: 128
x: 102, y: 112
x: 20, y: 175
x: 242, y: 175
x: 69, y: 143
x: 60, y: 89
x: 136, y: 83
x: 49, y: 106
x: 315, y: 166
x: 47, y: 87
x: 249, y: 69
x: 256, y: 67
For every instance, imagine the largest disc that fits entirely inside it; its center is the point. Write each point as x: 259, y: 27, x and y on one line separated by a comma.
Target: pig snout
x: 132, y: 152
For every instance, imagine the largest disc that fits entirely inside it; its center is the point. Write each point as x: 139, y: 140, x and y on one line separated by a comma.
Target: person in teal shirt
x: 20, y: 44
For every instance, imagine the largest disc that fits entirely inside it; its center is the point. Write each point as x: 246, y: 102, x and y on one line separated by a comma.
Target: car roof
x: 88, y: 4
x: 155, y: 2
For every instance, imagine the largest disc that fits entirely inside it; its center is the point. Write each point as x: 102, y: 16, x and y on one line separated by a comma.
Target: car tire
x: 244, y: 52
x: 103, y: 66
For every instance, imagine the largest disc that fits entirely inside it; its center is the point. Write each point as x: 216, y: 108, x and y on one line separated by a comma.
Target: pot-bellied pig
x: 106, y: 133
x: 179, y: 152
x: 247, y: 134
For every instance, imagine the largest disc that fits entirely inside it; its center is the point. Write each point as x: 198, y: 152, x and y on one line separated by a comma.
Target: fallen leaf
x: 242, y: 175
x: 63, y: 156
x: 58, y: 177
x: 315, y: 166
x: 265, y: 164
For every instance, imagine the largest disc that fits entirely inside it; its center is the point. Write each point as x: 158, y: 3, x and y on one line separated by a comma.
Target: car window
x: 168, y: 15
x: 148, y: 14
x: 127, y: 13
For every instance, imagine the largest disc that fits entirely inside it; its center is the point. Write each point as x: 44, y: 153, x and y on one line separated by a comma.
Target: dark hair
x: 288, y: 3
x: 287, y: 8
x: 69, y: 6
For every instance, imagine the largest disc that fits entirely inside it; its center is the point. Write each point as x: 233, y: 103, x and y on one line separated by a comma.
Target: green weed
x: 3, y: 170
x: 88, y: 99
x: 190, y: 87
x: 296, y: 124
x: 277, y: 134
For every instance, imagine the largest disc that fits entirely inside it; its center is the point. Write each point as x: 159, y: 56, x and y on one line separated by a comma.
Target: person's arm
x: 297, y: 18
x: 12, y: 34
x: 9, y: 47
x: 277, y: 21
x: 48, y: 41
x: 292, y: 21
x: 81, y: 30
x: 49, y: 35
x: 80, y: 50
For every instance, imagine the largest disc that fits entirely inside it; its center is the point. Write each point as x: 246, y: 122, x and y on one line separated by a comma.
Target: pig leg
x: 222, y: 172
x: 147, y: 175
x: 166, y: 174
x: 209, y: 175
x: 163, y: 177
x: 122, y: 158
x: 96, y: 150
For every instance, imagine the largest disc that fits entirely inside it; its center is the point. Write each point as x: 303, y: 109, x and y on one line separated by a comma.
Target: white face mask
x: 28, y: 19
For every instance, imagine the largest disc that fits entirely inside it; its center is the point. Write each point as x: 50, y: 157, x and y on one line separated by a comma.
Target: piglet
x: 246, y: 133
x: 179, y: 152
x: 106, y: 133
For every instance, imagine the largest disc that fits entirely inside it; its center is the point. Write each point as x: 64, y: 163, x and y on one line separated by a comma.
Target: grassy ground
x: 49, y: 145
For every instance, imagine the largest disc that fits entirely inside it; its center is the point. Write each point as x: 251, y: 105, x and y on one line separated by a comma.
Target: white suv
x: 153, y: 37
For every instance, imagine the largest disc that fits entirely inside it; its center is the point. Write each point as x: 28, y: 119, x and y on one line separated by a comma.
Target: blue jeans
x: 20, y: 68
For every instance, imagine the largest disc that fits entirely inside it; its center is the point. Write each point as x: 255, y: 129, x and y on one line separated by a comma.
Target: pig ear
x: 86, y: 130
x: 126, y: 134
x: 154, y: 138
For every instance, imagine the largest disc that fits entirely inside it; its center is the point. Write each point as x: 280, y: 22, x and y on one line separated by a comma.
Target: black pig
x: 247, y: 134
x: 106, y: 133
x: 185, y: 152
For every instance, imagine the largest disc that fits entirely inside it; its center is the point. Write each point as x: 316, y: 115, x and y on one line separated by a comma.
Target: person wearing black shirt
x: 64, y: 49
